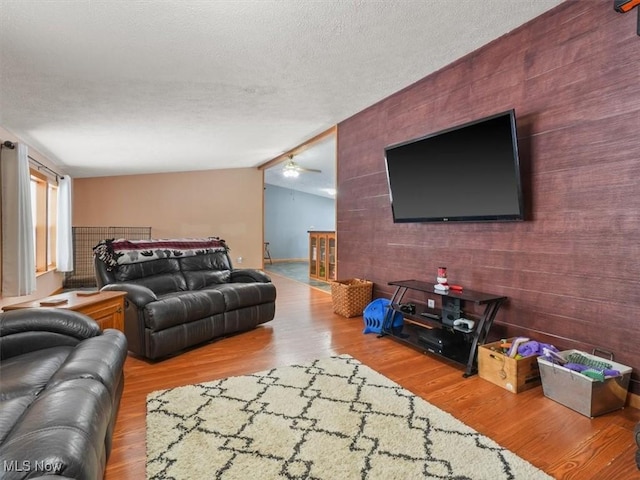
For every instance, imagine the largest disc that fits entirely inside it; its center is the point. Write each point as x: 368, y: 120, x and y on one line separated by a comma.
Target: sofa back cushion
x: 201, y: 271
x: 163, y: 265
x: 161, y: 276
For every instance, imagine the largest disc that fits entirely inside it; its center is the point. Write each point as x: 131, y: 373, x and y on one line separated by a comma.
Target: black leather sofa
x: 637, y: 435
x: 61, y: 380
x: 181, y: 292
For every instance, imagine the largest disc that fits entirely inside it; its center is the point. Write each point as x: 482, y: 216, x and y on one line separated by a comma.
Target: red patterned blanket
x: 120, y: 252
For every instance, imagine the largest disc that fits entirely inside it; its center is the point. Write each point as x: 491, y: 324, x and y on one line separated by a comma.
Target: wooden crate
x: 508, y: 373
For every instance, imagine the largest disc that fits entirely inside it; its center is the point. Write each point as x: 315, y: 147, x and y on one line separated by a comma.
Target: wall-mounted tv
x: 467, y: 173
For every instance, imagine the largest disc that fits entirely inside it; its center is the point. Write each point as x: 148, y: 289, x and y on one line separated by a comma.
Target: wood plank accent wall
x: 572, y: 269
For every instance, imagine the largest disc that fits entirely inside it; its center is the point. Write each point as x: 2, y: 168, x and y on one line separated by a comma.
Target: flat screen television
x: 467, y: 173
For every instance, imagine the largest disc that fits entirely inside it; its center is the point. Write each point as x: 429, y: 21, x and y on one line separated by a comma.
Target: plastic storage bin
x: 374, y: 316
x: 583, y: 394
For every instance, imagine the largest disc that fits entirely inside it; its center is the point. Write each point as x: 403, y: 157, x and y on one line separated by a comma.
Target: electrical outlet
x: 431, y: 303
x: 239, y: 259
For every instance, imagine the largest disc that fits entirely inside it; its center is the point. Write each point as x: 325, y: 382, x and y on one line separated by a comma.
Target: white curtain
x: 64, y: 242
x: 18, y: 249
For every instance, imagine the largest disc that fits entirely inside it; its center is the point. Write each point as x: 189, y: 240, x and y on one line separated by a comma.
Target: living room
x: 569, y: 270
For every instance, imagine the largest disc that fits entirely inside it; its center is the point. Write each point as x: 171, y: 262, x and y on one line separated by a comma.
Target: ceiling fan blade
x: 310, y: 170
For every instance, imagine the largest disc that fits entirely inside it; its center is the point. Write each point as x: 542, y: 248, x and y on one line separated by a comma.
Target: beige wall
x: 227, y: 203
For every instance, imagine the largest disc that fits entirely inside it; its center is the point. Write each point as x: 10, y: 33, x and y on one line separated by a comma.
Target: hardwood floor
x: 561, y: 442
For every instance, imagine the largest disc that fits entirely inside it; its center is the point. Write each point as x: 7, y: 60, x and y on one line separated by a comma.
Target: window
x: 44, y: 194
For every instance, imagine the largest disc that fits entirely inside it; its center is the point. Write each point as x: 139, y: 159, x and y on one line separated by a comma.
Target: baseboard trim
x: 285, y: 260
x: 633, y: 401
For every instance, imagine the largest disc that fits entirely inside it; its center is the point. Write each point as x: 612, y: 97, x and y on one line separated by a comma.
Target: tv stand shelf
x: 426, y: 331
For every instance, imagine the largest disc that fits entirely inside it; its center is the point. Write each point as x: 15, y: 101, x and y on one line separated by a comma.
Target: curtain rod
x: 40, y: 165
x: 44, y: 167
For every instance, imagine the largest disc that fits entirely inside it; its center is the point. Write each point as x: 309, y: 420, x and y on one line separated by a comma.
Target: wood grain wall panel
x: 574, y: 19
x: 591, y: 142
x: 502, y: 56
x: 442, y: 83
x: 571, y: 270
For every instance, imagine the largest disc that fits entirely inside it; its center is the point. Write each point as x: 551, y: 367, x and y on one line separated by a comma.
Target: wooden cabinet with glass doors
x: 322, y: 255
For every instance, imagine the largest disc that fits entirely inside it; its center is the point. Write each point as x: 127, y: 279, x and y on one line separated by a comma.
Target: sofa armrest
x: 101, y: 359
x: 30, y: 329
x: 248, y: 275
x: 636, y: 432
x: 139, y: 295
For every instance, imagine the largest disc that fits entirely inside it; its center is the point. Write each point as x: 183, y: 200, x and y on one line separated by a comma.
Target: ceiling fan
x: 292, y: 169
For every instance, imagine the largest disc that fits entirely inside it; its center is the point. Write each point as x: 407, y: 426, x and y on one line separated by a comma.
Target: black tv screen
x: 468, y: 173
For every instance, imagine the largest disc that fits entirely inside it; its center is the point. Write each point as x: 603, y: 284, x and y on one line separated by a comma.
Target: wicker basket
x: 350, y: 297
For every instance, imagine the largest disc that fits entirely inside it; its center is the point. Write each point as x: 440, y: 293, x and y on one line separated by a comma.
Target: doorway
x: 299, y: 196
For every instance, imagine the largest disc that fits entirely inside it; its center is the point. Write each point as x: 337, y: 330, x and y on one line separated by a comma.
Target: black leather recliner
x: 637, y: 435
x: 175, y: 303
x: 61, y: 380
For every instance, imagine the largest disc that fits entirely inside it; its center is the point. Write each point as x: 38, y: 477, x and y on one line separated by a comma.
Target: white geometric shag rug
x: 333, y: 419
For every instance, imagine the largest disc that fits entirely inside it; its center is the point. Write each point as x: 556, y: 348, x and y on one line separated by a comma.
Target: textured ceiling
x: 321, y: 156
x: 113, y: 87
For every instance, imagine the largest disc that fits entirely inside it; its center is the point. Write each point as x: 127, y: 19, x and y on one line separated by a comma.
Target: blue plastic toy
x: 374, y: 314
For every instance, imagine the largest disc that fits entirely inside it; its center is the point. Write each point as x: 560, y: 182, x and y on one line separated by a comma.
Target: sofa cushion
x: 203, y: 278
x: 10, y: 411
x: 173, y: 339
x: 63, y: 428
x: 240, y: 295
x: 245, y: 318
x: 161, y: 276
x: 203, y: 270
x: 209, y: 261
x: 28, y: 374
x: 183, y: 307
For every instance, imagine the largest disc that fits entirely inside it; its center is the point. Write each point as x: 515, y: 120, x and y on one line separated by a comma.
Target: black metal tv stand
x: 425, y: 330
